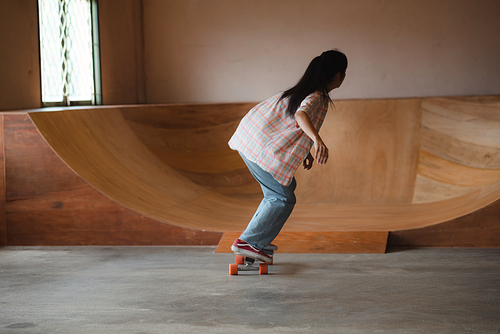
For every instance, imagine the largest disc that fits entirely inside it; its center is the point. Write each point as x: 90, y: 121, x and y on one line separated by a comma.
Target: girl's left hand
x: 308, y: 161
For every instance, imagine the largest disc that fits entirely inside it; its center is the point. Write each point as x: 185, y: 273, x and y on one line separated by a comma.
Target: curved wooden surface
x: 394, y: 164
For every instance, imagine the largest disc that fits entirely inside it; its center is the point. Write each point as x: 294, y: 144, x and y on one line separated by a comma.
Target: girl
x: 275, y: 137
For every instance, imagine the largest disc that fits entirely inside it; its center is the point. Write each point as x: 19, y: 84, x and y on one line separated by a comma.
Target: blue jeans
x: 272, y: 212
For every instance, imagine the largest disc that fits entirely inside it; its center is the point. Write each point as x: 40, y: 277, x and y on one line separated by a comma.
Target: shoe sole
x: 250, y: 254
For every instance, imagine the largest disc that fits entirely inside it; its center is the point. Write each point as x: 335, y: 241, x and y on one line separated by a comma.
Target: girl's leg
x: 272, y: 212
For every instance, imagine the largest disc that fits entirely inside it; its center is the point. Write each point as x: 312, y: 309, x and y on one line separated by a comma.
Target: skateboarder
x: 275, y: 137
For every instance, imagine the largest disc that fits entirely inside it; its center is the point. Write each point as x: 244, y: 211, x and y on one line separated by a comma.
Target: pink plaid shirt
x: 271, y: 138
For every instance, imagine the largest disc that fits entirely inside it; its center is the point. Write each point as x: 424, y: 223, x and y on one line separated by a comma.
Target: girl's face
x: 337, y: 81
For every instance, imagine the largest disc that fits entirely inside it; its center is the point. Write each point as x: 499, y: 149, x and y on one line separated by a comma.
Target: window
x: 69, y: 52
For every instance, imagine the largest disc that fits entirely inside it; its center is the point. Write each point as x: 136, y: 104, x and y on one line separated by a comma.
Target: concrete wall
x: 240, y: 50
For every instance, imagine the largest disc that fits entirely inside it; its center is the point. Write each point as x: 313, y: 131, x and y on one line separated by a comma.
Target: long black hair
x: 317, y: 77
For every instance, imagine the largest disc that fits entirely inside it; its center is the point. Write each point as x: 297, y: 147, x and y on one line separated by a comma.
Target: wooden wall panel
x: 373, y: 148
x: 131, y: 154
x: 459, y: 146
x: 478, y: 229
x: 340, y: 242
x: 48, y: 204
x: 3, y: 220
x: 164, y: 132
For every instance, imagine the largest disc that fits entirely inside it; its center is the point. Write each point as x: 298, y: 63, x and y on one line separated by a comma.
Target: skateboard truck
x: 248, y: 264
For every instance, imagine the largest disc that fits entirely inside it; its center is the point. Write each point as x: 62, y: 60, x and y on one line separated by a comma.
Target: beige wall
x: 19, y: 61
x: 240, y: 50
x: 122, y: 62
x: 122, y: 51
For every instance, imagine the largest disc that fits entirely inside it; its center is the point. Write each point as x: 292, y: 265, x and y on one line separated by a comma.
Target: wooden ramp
x: 394, y: 164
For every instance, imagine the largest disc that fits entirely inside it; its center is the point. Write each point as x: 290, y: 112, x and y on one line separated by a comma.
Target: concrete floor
x: 188, y: 290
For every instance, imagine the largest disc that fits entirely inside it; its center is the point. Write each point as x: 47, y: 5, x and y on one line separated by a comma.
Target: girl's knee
x: 291, y: 199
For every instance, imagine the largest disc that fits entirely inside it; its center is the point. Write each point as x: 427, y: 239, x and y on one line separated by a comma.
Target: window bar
x: 96, y: 53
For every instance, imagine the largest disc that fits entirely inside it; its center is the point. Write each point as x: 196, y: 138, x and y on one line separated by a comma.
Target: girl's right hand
x: 320, y: 149
x: 320, y: 152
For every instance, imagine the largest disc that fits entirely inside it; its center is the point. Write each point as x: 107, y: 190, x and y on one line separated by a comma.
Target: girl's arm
x: 320, y: 149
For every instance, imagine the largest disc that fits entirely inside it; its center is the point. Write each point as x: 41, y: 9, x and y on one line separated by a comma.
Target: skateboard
x: 248, y: 264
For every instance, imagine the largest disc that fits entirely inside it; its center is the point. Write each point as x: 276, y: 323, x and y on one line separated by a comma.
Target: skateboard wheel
x: 239, y: 259
x: 263, y: 268
x: 233, y: 269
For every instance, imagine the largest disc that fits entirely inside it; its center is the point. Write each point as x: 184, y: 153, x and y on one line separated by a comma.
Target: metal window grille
x: 69, y: 52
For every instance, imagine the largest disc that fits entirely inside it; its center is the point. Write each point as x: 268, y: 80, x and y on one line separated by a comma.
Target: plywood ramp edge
x: 341, y: 242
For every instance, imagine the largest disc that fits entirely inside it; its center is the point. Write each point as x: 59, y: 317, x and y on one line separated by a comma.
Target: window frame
x: 97, y: 94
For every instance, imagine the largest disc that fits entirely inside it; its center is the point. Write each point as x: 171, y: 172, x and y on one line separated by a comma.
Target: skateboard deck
x: 248, y: 264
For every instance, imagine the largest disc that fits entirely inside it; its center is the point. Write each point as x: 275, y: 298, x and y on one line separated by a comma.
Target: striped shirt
x: 271, y: 138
